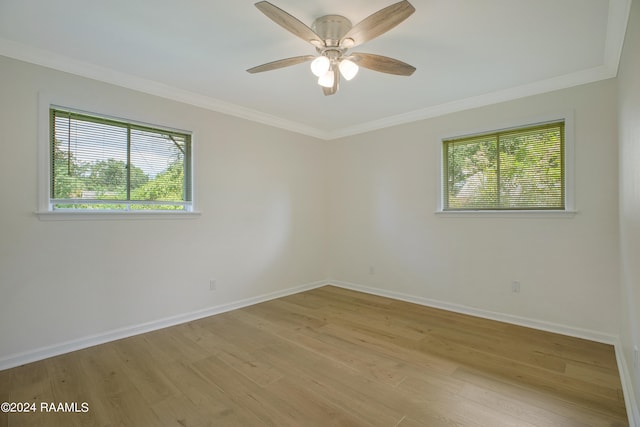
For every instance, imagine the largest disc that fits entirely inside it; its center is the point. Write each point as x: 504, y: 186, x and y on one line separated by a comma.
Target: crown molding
x: 591, y: 75
x: 617, y: 23
x: 22, y: 52
x: 616, y: 28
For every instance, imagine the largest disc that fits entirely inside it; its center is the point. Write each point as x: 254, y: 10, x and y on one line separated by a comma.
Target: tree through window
x: 98, y: 163
x: 516, y: 169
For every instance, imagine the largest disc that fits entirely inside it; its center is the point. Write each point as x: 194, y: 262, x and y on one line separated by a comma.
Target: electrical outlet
x: 372, y: 269
x: 515, y: 287
x: 636, y: 356
x: 212, y: 284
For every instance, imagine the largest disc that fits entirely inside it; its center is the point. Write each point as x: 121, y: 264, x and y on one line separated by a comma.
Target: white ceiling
x: 467, y: 53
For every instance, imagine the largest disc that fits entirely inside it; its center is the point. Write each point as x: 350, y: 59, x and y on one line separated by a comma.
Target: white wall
x: 261, y: 192
x: 383, y: 193
x: 629, y: 113
x: 281, y: 210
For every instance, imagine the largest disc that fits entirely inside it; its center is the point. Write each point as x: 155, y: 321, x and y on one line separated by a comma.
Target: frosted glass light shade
x: 320, y: 66
x: 327, y: 79
x: 348, y: 69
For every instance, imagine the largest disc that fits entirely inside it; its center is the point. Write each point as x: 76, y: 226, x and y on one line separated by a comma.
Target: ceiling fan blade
x: 382, y: 64
x: 289, y: 23
x: 336, y: 82
x: 280, y: 64
x: 379, y: 23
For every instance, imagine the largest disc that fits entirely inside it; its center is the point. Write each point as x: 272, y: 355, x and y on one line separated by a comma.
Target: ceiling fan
x: 333, y: 36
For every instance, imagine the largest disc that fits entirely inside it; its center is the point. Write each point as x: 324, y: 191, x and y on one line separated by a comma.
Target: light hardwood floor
x: 328, y: 357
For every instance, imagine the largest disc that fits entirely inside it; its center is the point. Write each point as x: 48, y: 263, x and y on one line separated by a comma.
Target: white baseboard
x: 14, y: 360
x: 625, y: 375
x: 486, y: 314
x: 633, y: 412
x: 89, y: 341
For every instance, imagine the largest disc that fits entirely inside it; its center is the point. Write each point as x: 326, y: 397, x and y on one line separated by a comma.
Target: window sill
x: 108, y: 216
x: 509, y: 214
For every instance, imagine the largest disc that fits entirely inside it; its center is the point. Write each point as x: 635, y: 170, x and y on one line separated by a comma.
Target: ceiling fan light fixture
x: 327, y: 79
x: 333, y: 36
x: 348, y: 69
x: 320, y: 66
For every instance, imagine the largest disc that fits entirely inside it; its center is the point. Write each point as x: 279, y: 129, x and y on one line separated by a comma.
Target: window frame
x: 568, y: 157
x: 45, y: 209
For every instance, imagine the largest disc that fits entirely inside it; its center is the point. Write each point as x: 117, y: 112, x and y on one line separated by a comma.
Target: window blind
x: 106, y: 164
x: 506, y: 170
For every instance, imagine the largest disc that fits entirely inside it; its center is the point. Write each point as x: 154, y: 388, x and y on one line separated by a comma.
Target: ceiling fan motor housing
x: 331, y: 28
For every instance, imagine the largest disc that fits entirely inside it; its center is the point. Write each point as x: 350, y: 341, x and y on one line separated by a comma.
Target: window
x: 515, y: 169
x: 102, y: 164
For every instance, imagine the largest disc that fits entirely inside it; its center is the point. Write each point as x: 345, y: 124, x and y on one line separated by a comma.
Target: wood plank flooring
x: 328, y: 357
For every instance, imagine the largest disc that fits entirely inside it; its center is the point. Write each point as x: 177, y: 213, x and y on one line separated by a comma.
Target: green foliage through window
x: 104, y: 164
x: 515, y: 169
